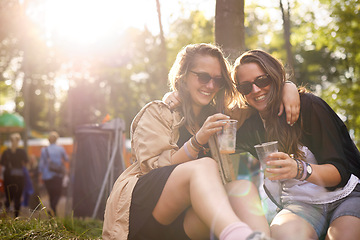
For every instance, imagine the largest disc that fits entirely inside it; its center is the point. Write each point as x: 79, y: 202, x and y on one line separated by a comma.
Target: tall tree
x: 229, y: 27
x: 163, y: 51
x: 287, y: 33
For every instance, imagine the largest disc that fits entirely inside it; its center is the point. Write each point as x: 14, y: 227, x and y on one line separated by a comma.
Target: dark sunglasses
x: 204, y: 78
x: 246, y: 87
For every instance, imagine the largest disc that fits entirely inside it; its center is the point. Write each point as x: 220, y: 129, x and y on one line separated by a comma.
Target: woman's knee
x: 202, y: 165
x: 339, y: 228
x: 291, y: 226
x: 185, y: 172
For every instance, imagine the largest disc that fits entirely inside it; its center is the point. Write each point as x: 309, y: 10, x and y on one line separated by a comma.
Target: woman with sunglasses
x: 317, y: 163
x: 173, y: 189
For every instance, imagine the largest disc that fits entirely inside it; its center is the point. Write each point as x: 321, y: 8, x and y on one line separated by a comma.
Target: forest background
x: 60, y: 79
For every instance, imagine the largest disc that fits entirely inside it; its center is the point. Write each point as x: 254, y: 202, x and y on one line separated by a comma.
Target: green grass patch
x: 49, y: 228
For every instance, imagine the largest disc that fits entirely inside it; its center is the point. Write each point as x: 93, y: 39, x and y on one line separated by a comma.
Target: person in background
x: 173, y: 190
x: 53, y: 155
x: 14, y: 159
x: 318, y: 164
x: 28, y: 188
x: 34, y: 176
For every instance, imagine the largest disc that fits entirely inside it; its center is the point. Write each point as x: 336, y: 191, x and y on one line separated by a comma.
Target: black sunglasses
x: 204, y: 78
x: 246, y: 87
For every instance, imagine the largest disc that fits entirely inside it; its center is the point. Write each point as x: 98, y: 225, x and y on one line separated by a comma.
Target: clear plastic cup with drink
x: 227, y: 137
x: 263, y: 150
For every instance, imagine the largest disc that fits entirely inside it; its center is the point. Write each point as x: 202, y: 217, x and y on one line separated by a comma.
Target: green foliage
x: 259, y: 27
x: 184, y: 31
x: 342, y: 40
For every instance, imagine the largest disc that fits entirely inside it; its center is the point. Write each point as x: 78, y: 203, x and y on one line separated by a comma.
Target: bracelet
x: 298, y: 169
x: 303, y: 176
x: 188, y: 153
x: 193, y: 147
x: 196, y: 144
x: 302, y: 168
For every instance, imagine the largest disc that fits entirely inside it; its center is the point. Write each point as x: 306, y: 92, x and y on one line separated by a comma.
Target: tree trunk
x: 229, y: 27
x: 163, y: 51
x: 27, y: 79
x: 287, y: 34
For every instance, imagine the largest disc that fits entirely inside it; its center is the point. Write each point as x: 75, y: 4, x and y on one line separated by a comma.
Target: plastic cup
x: 263, y: 150
x: 227, y: 137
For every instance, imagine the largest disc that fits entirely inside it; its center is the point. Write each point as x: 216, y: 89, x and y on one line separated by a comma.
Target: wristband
x: 188, y: 153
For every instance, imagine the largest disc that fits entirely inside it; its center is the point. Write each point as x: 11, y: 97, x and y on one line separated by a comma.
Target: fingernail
x: 288, y: 122
x: 291, y: 125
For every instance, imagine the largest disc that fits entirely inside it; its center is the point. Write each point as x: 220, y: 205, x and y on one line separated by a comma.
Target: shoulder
x: 157, y: 107
x: 4, y: 154
x: 310, y: 98
x: 6, y: 151
x: 156, y: 111
x: 310, y: 102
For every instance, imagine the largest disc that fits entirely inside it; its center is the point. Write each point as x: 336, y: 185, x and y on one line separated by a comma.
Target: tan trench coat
x: 154, y: 134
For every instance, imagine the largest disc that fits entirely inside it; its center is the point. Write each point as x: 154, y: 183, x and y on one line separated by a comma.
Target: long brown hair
x: 185, y: 61
x: 275, y: 126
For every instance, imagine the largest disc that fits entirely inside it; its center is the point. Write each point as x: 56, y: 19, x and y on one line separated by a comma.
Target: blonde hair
x: 53, y: 136
x: 185, y: 61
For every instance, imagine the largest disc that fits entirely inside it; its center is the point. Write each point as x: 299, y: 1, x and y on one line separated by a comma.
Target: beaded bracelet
x: 188, y: 153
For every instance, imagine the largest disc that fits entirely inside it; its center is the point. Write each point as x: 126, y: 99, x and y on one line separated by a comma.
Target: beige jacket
x: 154, y: 136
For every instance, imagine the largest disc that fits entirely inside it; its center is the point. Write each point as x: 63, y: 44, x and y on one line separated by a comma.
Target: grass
x: 40, y: 225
